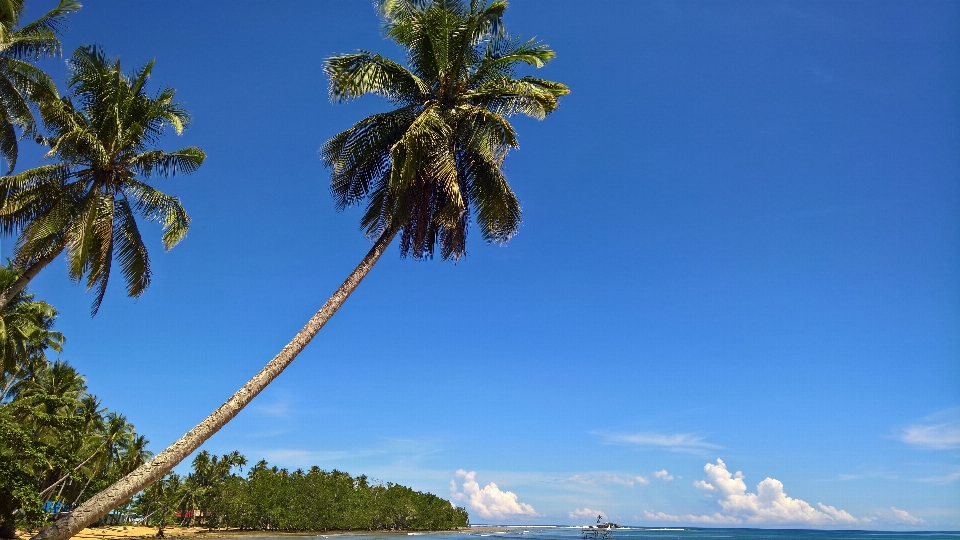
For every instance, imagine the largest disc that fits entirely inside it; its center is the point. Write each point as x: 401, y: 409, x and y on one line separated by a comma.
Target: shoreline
x: 140, y: 532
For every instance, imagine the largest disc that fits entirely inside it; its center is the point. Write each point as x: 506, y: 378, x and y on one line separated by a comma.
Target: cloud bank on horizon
x: 580, y: 513
x: 770, y: 505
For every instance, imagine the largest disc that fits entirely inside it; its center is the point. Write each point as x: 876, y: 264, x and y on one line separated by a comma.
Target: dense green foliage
x: 58, y: 446
x: 277, y: 499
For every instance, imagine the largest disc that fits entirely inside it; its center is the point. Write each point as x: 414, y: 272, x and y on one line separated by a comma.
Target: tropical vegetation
x: 58, y: 445
x: 214, y: 495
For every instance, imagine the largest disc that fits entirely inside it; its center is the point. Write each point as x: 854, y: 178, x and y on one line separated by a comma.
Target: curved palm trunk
x: 125, y: 488
x: 27, y: 276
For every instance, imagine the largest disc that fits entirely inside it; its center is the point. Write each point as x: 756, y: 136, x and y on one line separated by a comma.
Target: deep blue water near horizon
x: 534, y: 532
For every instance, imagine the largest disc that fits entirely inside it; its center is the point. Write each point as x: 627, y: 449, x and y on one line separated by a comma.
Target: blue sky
x: 741, y: 241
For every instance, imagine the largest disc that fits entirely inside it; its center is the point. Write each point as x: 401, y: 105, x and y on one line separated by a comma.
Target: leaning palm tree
x: 22, y: 83
x: 425, y: 170
x: 87, y: 202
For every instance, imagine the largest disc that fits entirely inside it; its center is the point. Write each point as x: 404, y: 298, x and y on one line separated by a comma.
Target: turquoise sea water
x: 666, y: 533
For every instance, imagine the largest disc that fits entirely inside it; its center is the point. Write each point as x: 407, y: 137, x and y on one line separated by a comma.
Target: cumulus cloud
x: 585, y: 513
x: 939, y: 431
x: 663, y: 475
x: 489, y: 502
x: 770, y: 504
x: 642, y: 480
x: 683, y: 442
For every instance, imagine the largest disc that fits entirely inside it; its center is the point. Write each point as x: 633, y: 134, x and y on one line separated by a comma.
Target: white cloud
x: 277, y: 409
x: 700, y: 484
x: 642, y: 480
x: 945, y: 479
x: 663, y: 475
x: 585, y: 513
x: 604, y: 479
x: 683, y: 442
x: 716, y: 518
x: 904, y: 517
x: 939, y: 431
x: 489, y: 501
x: 770, y: 504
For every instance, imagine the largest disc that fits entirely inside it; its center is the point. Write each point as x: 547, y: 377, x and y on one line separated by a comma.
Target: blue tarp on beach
x: 55, y: 507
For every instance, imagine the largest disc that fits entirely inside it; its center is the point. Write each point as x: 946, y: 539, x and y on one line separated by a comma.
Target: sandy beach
x: 137, y: 532
x: 126, y: 532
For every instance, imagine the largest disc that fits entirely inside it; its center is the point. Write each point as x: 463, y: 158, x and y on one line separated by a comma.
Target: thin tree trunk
x: 27, y: 276
x: 59, y: 497
x: 8, y: 386
x: 84, y: 490
x: 101, y: 503
x: 75, y: 469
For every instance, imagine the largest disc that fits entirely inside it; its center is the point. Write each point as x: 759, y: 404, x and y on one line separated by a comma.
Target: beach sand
x: 126, y: 532
x: 136, y: 532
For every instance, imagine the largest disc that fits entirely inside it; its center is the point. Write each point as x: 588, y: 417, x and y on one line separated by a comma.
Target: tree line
x: 214, y: 495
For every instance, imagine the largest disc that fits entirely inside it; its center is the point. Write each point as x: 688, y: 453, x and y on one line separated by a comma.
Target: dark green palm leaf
x: 355, y: 75
x: 130, y: 251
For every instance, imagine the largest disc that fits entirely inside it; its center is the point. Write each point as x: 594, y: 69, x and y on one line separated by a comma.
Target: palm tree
x: 86, y: 203
x: 26, y: 331
x: 424, y: 170
x: 22, y: 83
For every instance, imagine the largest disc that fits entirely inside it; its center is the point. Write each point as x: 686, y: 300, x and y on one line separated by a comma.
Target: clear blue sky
x: 741, y: 241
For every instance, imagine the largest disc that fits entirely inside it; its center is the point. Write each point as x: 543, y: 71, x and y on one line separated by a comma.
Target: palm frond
x: 25, y: 196
x: 157, y: 206
x: 358, y: 74
x: 33, y: 83
x: 183, y: 161
x: 529, y: 96
x: 501, y: 56
x: 130, y: 251
x: 51, y: 24
x: 8, y: 142
x: 360, y: 156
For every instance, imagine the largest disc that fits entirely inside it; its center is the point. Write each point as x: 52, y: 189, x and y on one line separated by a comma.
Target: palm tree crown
x: 424, y: 167
x: 86, y: 203
x: 22, y: 83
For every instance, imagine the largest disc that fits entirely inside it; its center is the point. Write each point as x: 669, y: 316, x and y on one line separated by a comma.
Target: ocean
x: 665, y: 533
